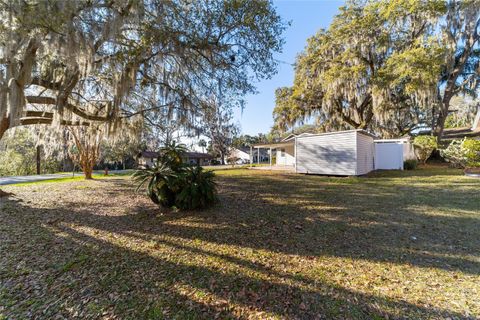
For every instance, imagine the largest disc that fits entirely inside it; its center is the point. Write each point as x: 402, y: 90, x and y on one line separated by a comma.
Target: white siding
x: 288, y: 159
x: 388, y: 156
x: 408, y: 152
x: 147, y: 162
x: 241, y: 154
x: 365, y: 154
x: 331, y: 154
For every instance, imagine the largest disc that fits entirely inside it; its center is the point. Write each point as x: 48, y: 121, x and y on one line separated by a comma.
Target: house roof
x: 148, y: 154
x: 197, y: 155
x: 361, y: 131
x: 243, y: 149
x: 292, y: 136
x: 456, y: 133
x: 290, y: 139
x: 275, y: 144
x: 154, y: 154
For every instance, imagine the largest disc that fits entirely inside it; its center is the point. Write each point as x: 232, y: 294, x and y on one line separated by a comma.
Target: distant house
x: 148, y: 159
x: 244, y: 156
x: 197, y: 158
x: 344, y: 153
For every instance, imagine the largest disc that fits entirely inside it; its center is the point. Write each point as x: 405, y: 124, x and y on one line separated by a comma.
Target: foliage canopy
x: 110, y: 61
x: 391, y: 67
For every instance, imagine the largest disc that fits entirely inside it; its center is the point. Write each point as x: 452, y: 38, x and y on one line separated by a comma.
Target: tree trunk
x: 438, y: 132
x: 4, y: 124
x: 222, y: 155
x: 87, y: 169
x: 38, y: 160
x: 442, y: 117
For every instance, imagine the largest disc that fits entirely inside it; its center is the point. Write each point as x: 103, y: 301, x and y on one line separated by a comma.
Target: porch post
x: 251, y: 156
x: 270, y: 158
x: 258, y: 155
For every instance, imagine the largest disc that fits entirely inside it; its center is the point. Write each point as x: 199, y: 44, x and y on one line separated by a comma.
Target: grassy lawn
x: 277, y: 246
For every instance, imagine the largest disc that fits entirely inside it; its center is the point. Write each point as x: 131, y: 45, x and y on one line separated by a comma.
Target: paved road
x: 22, y: 179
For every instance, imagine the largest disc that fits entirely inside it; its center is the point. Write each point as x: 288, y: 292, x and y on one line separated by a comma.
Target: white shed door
x: 388, y: 156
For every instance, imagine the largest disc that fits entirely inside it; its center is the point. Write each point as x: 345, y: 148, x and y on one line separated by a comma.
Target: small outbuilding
x: 342, y: 153
x: 345, y: 153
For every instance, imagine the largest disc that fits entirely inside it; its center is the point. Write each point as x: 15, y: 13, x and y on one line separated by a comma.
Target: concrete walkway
x: 22, y: 179
x: 275, y: 168
x: 41, y: 177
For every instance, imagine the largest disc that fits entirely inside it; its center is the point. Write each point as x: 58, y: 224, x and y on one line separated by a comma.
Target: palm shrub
x: 171, y: 183
x: 159, y: 181
x: 198, y: 189
x: 171, y: 155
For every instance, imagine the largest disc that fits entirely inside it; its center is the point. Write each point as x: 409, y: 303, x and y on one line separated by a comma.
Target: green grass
x: 392, y: 245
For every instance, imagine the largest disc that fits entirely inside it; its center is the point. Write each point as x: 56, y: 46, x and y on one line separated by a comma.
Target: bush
x: 424, y: 145
x: 410, y: 164
x: 464, y: 153
x: 472, y: 152
x: 171, y: 183
x: 455, y: 154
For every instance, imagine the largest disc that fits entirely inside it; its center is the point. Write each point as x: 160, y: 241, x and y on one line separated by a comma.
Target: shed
x: 344, y: 153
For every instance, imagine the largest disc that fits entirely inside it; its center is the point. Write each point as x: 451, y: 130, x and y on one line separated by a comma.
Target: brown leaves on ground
x: 277, y: 246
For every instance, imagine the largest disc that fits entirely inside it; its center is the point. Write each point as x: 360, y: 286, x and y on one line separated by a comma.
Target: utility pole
x: 38, y: 159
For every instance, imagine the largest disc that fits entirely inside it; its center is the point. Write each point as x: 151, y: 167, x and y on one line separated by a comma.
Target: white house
x: 147, y: 159
x: 240, y: 153
x: 244, y: 155
x: 345, y: 153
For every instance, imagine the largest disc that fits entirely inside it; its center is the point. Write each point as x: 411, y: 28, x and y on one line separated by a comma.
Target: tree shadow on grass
x: 142, y: 264
x: 66, y: 270
x: 317, y: 216
x: 371, y: 221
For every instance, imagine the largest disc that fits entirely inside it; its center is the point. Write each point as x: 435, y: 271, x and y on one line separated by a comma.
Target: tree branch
x: 75, y: 109
x: 38, y: 120
x: 39, y: 114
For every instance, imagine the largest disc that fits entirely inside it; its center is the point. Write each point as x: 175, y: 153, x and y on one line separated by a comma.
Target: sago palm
x: 158, y: 180
x: 199, y: 189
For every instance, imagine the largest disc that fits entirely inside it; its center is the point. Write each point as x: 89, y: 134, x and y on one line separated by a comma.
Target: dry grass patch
x: 277, y: 246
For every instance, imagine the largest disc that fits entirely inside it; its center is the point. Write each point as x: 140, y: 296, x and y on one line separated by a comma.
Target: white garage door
x: 388, y: 156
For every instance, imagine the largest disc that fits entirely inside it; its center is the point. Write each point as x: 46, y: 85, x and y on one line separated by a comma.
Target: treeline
x: 391, y: 67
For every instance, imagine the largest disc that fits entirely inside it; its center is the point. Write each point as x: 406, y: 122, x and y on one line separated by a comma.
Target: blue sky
x: 306, y: 17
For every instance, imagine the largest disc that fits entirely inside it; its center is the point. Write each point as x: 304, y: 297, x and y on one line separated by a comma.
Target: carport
x: 283, y: 150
